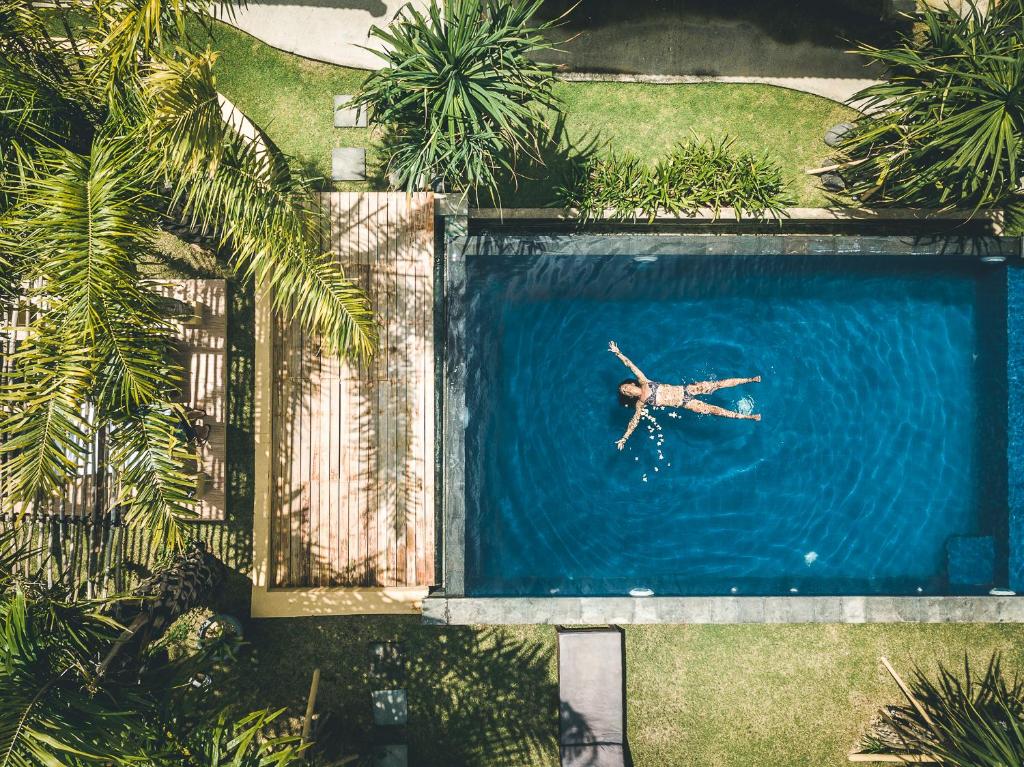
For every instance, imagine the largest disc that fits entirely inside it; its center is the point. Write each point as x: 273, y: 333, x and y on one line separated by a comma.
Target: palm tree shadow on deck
x: 351, y: 457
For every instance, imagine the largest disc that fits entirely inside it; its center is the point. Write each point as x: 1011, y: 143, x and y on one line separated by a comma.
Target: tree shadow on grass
x: 557, y: 161
x: 476, y: 696
x: 782, y: 38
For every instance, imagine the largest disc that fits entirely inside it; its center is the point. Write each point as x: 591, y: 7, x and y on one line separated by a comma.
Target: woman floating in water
x: 647, y: 392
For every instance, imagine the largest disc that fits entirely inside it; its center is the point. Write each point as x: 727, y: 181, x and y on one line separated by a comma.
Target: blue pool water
x: 883, y: 432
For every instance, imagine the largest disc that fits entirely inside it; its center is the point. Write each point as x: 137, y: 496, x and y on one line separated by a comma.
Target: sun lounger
x: 592, y: 705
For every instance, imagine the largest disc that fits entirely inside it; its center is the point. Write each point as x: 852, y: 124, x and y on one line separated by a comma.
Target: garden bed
x: 291, y: 99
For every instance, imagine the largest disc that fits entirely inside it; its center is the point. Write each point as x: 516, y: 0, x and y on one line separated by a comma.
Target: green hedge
x: 696, y: 174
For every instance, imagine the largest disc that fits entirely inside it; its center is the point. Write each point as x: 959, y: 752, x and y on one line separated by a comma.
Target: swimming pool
x: 880, y: 462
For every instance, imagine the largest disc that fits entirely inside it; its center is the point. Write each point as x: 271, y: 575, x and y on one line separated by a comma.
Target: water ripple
x: 873, y: 403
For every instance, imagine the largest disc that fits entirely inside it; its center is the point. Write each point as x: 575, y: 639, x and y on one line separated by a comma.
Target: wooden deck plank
x: 426, y: 384
x: 315, y: 449
x: 353, y: 444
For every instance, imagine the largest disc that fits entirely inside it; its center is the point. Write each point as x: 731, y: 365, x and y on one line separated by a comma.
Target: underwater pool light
x: 641, y: 591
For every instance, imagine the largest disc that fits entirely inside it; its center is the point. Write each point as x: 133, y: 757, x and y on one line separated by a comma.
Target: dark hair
x: 623, y: 399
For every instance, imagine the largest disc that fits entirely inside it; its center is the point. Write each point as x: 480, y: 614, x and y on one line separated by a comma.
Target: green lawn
x: 789, y: 696
x: 291, y: 98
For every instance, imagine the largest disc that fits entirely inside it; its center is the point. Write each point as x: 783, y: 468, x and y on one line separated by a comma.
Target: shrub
x: 946, y: 128
x: 697, y: 174
x: 460, y: 93
x: 966, y: 720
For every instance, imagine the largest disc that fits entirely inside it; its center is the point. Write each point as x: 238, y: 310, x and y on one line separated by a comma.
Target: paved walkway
x: 336, y: 32
x: 326, y: 30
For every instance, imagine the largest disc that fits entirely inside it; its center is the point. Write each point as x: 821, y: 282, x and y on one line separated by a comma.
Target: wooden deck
x: 204, y: 349
x: 351, y: 447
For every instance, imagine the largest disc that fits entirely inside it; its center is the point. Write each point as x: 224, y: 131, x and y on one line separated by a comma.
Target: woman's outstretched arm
x: 634, y: 421
x: 614, y: 349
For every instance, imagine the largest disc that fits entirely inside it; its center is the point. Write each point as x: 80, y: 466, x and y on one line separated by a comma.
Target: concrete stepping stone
x: 390, y: 707
x: 386, y: 661
x: 834, y: 135
x: 348, y: 164
x: 346, y: 116
x: 396, y: 755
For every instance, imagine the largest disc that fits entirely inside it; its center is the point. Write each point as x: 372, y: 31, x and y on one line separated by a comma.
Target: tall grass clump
x: 460, y: 94
x: 697, y: 174
x: 955, y: 720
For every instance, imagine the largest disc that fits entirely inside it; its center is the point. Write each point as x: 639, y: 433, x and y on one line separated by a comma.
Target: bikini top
x: 652, y: 398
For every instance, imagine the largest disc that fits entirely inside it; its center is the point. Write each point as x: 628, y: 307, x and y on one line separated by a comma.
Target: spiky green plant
x: 955, y: 720
x: 946, y: 127
x: 460, y: 91
x: 105, y: 135
x: 696, y: 174
x: 58, y: 708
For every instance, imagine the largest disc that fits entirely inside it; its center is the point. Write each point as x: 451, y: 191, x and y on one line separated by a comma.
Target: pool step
x: 970, y: 562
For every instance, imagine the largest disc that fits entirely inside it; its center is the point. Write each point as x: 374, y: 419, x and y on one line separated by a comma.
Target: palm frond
x: 958, y: 720
x: 48, y: 716
x: 187, y: 119
x: 241, y: 188
x: 43, y: 406
x: 84, y: 221
x: 263, y: 215
x: 946, y: 129
x: 34, y: 113
x: 233, y: 741
x: 98, y: 348
x: 151, y: 456
x: 133, y: 32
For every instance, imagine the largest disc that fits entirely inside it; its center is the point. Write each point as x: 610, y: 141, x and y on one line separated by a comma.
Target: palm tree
x: 60, y: 706
x: 106, y: 131
x: 159, y: 601
x: 946, y: 128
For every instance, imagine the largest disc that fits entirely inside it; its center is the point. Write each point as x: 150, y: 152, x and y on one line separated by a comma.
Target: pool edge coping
x: 457, y: 611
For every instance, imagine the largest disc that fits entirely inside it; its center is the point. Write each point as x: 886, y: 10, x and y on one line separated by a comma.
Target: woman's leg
x: 706, y: 387
x: 705, y: 409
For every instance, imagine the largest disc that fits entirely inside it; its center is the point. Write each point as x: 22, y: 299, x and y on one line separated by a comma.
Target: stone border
x: 461, y: 611
x: 838, y: 89
x: 727, y: 216
x: 683, y: 245
x: 454, y: 415
x: 451, y: 606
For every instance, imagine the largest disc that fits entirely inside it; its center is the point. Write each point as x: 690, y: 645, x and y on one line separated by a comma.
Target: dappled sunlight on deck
x: 349, y: 496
